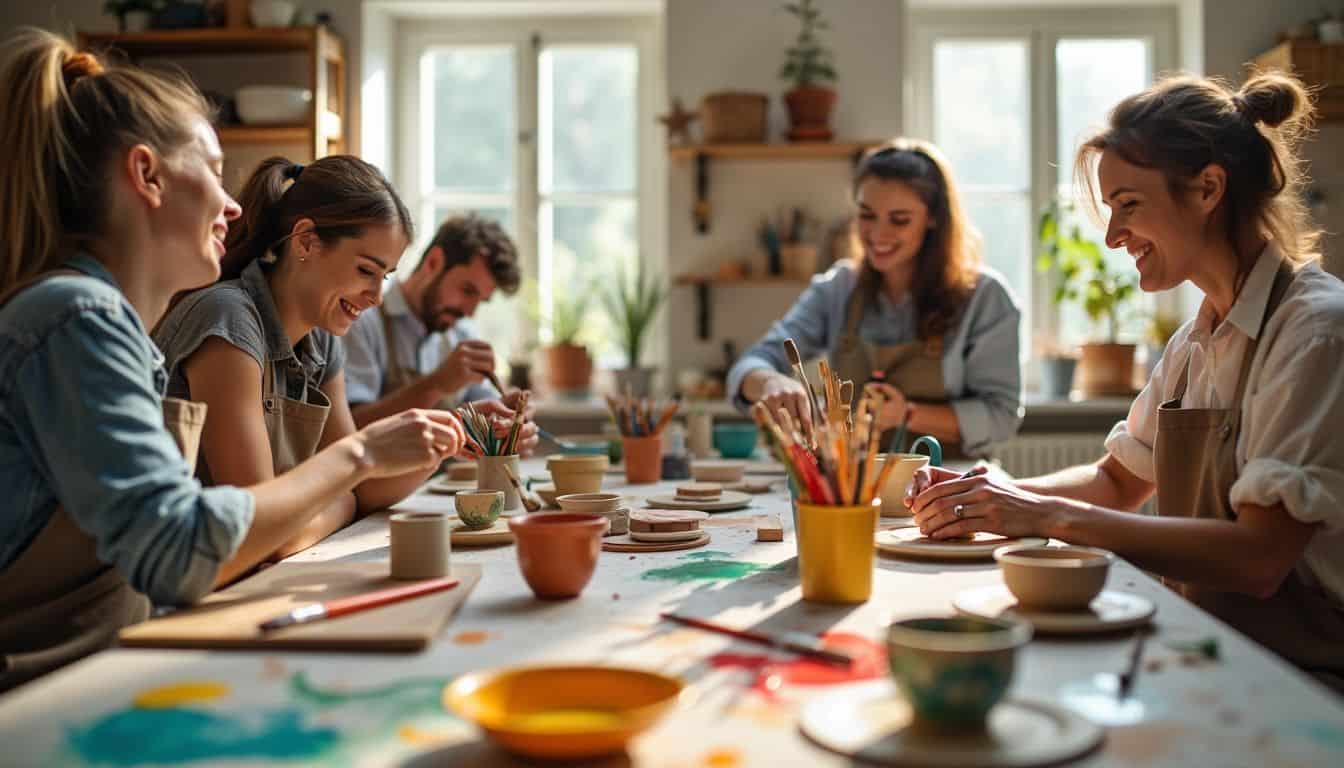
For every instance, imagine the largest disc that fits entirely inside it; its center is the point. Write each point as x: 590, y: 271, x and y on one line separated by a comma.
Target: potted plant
x: 632, y: 307
x: 569, y: 367
x: 1107, y: 367
x: 1058, y: 364
x: 807, y: 65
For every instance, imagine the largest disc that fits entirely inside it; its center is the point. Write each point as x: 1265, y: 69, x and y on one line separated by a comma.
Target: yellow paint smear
x: 177, y: 694
x: 723, y: 758
x: 420, y: 737
x: 565, y: 720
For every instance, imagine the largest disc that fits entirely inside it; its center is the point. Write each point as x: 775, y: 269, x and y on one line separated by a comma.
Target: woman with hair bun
x: 113, y: 204
x: 1237, y: 430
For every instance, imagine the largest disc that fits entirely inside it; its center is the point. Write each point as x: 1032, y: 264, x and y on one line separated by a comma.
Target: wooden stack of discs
x: 699, y: 492
x: 665, y: 525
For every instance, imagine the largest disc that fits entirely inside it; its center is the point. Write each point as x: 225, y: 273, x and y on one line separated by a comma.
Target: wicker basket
x: 729, y: 116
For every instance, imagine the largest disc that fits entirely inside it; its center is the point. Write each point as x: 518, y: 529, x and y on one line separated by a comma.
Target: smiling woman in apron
x: 916, y: 313
x: 1238, y: 429
x: 260, y: 348
x: 112, y: 205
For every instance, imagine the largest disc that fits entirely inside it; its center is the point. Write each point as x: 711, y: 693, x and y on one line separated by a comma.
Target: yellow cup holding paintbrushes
x: 835, y: 551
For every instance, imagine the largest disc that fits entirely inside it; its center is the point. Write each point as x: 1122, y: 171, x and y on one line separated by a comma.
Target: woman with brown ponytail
x: 113, y: 204
x: 1238, y: 429
x: 260, y: 348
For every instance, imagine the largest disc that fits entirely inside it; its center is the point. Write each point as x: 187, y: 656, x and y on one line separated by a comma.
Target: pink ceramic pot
x: 557, y: 551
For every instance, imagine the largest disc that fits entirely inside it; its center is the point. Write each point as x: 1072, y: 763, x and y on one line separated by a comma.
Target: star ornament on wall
x: 678, y: 123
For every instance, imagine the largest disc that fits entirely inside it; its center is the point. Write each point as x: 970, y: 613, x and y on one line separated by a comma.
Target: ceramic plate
x: 495, y: 535
x: 729, y: 500
x: 451, y: 487
x: 627, y: 544
x: 1109, y: 612
x: 909, y: 542
x: 872, y: 722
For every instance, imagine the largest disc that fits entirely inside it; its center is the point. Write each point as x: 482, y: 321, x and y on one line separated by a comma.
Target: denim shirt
x: 980, y: 355
x: 81, y: 425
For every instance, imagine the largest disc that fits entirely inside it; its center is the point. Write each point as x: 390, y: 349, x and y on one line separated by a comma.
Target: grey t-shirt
x: 243, y: 313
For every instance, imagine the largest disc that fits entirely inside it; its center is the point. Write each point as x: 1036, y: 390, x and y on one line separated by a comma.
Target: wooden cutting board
x: 229, y: 619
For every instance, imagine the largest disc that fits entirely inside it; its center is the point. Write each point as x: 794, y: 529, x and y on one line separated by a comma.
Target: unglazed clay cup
x: 589, y: 503
x: 573, y: 473
x: 557, y: 551
x: 1054, y: 578
x: 953, y: 670
x: 479, y: 510
x: 894, y: 489
x: 718, y: 470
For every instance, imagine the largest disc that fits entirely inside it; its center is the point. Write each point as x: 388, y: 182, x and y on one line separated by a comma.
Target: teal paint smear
x: 704, y: 566
x: 420, y: 693
x: 1323, y: 733
x: 180, y: 735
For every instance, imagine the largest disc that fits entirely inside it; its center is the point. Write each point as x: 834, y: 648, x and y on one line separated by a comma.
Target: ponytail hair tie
x: 78, y: 65
x: 292, y: 171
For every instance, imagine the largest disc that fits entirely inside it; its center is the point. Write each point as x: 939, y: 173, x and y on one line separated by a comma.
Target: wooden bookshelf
x: 264, y: 134
x: 212, y: 40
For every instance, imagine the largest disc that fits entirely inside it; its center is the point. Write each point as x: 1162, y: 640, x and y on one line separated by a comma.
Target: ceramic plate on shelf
x: 1108, y: 612
x: 909, y: 542
x: 450, y: 487
x: 729, y: 500
x: 872, y: 723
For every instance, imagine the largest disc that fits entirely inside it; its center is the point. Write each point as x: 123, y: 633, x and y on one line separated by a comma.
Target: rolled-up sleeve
x: 991, y: 409
x: 807, y: 323
x: 364, y: 355
x: 1294, y: 455
x: 89, y: 396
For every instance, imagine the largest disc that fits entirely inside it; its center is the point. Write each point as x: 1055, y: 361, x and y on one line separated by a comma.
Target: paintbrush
x: 530, y: 502
x: 494, y: 381
x: 1131, y: 675
x: 796, y: 642
x: 796, y: 360
x: 342, y: 606
x: 668, y: 412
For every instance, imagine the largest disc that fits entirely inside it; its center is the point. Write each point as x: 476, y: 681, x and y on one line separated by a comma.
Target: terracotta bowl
x: 953, y: 670
x: 589, y: 503
x: 718, y: 471
x: 577, y: 474
x: 557, y: 551
x: 568, y: 713
x: 1054, y: 578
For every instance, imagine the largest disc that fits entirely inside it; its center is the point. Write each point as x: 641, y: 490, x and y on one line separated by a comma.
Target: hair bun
x: 1272, y: 99
x: 79, y: 64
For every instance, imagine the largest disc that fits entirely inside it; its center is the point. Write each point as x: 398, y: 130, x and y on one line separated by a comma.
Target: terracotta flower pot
x: 810, y: 113
x: 557, y: 551
x: 1106, y: 369
x: 643, y: 459
x: 568, y: 367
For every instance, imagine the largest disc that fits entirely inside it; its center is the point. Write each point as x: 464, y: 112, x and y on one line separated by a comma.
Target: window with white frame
x: 1008, y: 95
x: 538, y: 125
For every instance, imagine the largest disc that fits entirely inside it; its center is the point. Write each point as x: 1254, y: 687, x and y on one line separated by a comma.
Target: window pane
x: 472, y: 135
x: 589, y: 244
x: 499, y: 320
x: 981, y: 110
x: 501, y: 214
x: 588, y: 106
x: 1091, y: 76
x: 1004, y: 224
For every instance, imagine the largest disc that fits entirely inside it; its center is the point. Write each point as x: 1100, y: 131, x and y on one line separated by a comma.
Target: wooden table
x: 1246, y: 709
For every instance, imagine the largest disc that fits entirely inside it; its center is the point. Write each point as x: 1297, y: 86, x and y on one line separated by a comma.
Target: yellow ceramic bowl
x: 562, y: 712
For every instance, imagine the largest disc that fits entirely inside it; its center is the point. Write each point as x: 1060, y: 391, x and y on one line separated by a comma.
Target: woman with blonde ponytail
x: 1237, y: 430
x: 113, y: 204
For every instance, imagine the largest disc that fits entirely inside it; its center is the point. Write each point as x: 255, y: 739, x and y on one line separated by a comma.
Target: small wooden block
x: 699, y: 491
x: 769, y: 528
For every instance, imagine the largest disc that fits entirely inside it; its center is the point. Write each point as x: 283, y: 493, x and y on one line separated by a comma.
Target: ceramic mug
x: 953, y: 670
x: 893, y: 492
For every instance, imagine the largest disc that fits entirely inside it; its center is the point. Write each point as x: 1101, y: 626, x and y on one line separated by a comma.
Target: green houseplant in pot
x: 632, y: 307
x: 808, y: 65
x: 1083, y: 276
x: 569, y: 367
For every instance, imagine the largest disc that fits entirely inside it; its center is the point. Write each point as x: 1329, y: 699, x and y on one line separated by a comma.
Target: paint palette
x: 1108, y: 612
x: 910, y: 542
x: 872, y: 723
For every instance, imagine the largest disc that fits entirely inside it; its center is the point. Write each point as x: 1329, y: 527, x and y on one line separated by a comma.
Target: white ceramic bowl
x: 272, y: 13
x: 718, y: 470
x: 274, y: 104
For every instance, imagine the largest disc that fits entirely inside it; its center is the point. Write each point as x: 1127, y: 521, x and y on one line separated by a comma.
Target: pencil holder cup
x: 491, y: 476
x: 835, y: 551
x: 643, y: 459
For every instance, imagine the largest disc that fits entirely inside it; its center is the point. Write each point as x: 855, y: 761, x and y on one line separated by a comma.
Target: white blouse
x: 1290, y: 450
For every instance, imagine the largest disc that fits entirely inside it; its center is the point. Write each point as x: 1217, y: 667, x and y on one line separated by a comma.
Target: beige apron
x: 1195, y: 461
x: 397, y: 374
x: 58, y: 601
x: 915, y: 368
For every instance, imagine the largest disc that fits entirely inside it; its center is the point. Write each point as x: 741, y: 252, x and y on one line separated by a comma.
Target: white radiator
x: 1041, y: 454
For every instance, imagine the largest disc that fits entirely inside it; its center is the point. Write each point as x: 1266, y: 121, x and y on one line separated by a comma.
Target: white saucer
x: 873, y: 723
x: 910, y: 542
x: 1109, y: 612
x: 729, y: 500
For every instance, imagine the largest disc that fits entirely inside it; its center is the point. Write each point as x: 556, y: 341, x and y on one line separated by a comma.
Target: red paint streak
x: 870, y: 662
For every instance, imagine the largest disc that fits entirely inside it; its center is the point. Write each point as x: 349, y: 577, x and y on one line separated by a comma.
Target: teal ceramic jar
x: 953, y: 670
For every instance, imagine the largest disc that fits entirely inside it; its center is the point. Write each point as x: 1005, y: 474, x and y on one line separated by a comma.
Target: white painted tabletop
x: 131, y: 707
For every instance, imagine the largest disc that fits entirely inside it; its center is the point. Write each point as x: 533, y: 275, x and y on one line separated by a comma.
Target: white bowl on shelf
x: 272, y: 13
x: 274, y: 104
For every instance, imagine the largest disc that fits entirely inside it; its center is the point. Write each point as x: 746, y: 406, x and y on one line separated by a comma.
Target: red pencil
x: 339, y: 607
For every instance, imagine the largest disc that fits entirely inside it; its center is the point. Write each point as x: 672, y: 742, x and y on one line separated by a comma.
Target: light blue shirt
x: 81, y: 425
x: 366, y: 350
x: 981, y: 372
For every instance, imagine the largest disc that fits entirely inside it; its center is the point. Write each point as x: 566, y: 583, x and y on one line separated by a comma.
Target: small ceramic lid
x: 699, y: 491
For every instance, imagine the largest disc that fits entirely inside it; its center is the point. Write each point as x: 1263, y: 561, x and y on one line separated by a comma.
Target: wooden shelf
x: 264, y: 134
x: 747, y: 280
x: 1320, y: 65
x: 802, y: 150
x: 179, y: 42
